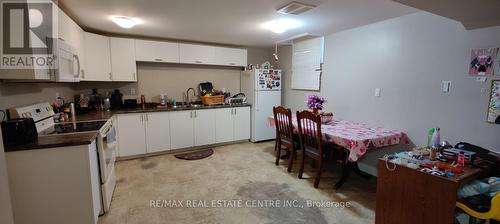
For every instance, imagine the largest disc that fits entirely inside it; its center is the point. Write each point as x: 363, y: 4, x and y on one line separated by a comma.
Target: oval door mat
x: 195, y: 155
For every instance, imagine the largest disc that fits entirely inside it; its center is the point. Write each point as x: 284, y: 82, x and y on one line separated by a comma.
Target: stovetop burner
x: 67, y: 128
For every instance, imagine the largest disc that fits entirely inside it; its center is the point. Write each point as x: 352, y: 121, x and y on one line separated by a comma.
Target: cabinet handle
x: 158, y: 59
x: 195, y: 114
x: 191, y: 114
x: 199, y: 62
x: 83, y: 74
x: 235, y: 111
x: 232, y: 64
x: 110, y: 76
x: 142, y: 118
x: 135, y: 76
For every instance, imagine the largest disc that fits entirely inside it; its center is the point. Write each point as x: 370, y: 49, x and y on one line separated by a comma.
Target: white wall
x: 5, y: 204
x: 408, y: 57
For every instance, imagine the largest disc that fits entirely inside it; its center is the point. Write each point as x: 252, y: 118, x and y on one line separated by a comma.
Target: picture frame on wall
x: 482, y: 61
x: 494, y: 104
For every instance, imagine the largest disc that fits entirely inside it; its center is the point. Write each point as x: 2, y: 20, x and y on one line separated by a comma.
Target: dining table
x: 355, y: 137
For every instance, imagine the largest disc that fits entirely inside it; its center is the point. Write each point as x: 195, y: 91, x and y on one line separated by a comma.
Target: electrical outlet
x: 445, y: 86
x: 378, y: 92
x: 132, y: 91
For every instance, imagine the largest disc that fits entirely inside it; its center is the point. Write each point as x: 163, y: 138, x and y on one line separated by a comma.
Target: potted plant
x: 315, y: 103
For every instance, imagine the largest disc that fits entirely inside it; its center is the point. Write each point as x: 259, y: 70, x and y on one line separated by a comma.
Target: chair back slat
x: 283, y: 121
x: 309, y: 125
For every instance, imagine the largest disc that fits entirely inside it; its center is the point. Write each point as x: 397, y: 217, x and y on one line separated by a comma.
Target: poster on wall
x: 482, y: 61
x: 494, y: 105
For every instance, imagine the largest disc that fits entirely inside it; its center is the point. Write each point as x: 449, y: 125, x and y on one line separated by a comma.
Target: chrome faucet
x: 188, y: 102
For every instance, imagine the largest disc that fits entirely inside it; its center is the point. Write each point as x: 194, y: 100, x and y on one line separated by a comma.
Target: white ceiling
x: 234, y: 22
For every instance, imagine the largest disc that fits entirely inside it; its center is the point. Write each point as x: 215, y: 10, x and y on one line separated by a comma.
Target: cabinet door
x: 204, y: 127
x: 123, y: 67
x: 156, y: 51
x: 97, y: 58
x: 241, y: 123
x: 131, y: 134
x: 230, y: 56
x: 181, y: 124
x: 157, y: 131
x: 196, y: 54
x: 224, y: 125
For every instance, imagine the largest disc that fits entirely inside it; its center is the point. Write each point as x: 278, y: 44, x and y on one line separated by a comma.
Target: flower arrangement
x: 315, y: 102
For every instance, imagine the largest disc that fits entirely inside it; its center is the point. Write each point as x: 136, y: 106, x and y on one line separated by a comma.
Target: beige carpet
x: 242, y: 172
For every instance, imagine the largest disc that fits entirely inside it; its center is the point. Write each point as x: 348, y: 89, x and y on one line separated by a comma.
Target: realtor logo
x: 27, y: 31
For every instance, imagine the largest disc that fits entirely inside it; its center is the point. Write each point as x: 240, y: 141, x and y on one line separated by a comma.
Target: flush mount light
x: 125, y: 21
x: 281, y: 25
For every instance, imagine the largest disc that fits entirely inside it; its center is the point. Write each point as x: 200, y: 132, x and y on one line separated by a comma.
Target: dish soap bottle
x: 436, y: 138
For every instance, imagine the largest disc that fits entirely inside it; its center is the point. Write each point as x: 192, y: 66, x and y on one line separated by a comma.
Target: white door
x: 123, y: 67
x: 224, y: 125
x: 156, y: 51
x: 204, y: 127
x: 97, y: 58
x: 182, y: 126
x: 5, y: 204
x: 131, y: 134
x: 241, y: 123
x: 157, y: 131
x: 264, y: 103
x: 196, y: 54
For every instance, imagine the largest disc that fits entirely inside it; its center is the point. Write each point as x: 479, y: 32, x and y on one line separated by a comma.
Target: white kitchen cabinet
x: 131, y: 134
x: 156, y: 51
x: 230, y: 56
x: 157, y: 131
x: 241, y: 123
x: 224, y: 125
x: 71, y: 33
x: 123, y: 65
x: 204, y: 127
x: 197, y: 54
x: 181, y: 124
x: 232, y: 124
x: 97, y: 58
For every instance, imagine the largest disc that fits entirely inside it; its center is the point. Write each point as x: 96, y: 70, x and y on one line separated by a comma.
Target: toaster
x: 19, y: 131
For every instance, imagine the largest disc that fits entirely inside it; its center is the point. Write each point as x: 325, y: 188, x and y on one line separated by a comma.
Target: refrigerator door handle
x: 257, y: 101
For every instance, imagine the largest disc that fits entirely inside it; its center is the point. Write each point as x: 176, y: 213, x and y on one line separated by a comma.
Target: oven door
x: 107, y: 150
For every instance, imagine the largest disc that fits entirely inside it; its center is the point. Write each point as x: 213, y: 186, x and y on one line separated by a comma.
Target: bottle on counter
x: 461, y: 159
x: 436, y: 138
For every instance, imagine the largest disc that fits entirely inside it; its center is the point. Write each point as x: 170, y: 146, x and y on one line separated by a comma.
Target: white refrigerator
x: 262, y: 87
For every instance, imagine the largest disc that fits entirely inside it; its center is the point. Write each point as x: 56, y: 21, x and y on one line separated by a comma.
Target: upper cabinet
x: 97, y: 58
x: 156, y: 51
x: 230, y: 56
x: 197, y: 54
x: 123, y: 66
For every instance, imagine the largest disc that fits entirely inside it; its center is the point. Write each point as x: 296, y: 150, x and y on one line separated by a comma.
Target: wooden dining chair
x: 311, y: 142
x: 284, y: 134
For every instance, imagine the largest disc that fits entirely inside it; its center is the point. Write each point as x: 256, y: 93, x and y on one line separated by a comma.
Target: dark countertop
x: 54, y: 141
x: 85, y: 138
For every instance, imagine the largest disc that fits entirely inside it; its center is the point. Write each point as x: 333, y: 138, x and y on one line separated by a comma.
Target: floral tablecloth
x: 356, y: 137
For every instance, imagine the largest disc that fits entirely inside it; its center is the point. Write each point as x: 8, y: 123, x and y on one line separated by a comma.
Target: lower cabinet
x: 131, y: 134
x: 233, y: 124
x: 181, y: 125
x: 141, y: 133
x: 157, y: 131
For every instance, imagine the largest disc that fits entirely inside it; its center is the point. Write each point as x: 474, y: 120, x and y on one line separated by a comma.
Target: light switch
x: 445, y: 86
x: 378, y: 92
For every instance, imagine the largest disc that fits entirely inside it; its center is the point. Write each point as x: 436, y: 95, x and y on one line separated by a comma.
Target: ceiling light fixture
x: 125, y: 21
x: 281, y: 25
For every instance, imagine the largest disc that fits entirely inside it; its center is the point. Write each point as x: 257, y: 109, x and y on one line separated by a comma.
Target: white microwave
x: 66, y: 63
x: 65, y: 66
